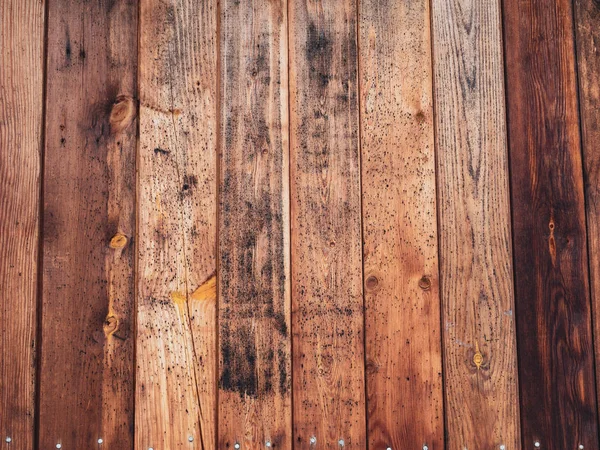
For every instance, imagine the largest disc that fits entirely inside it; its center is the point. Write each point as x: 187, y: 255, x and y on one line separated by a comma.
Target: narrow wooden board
x: 556, y: 359
x: 327, y: 302
x: 86, y: 384
x: 254, y: 279
x: 474, y: 225
x: 587, y: 27
x: 402, y: 303
x: 176, y: 309
x: 21, y: 105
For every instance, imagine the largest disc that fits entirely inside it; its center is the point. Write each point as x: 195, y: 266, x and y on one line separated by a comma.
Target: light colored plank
x: 21, y: 94
x: 176, y: 339
x: 327, y: 301
x: 476, y: 275
x: 254, y: 292
x: 402, y: 303
x: 86, y: 384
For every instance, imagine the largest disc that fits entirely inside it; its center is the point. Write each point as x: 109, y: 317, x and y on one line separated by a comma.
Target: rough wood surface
x: 402, y: 303
x: 558, y: 398
x: 21, y: 94
x: 176, y: 339
x: 86, y: 386
x: 474, y: 227
x: 327, y: 303
x: 587, y: 27
x: 254, y: 293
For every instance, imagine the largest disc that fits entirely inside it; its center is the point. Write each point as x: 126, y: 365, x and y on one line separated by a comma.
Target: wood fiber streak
x: 176, y: 339
x: 552, y: 289
x: 21, y: 90
x: 86, y: 384
x: 254, y: 278
x: 474, y: 225
x: 327, y: 303
x: 403, y: 336
x: 587, y: 27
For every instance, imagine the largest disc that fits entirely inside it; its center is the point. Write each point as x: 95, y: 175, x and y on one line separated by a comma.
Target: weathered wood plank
x: 176, y: 339
x: 552, y: 288
x: 587, y: 27
x: 254, y: 280
x: 86, y: 387
x: 327, y: 303
x: 402, y: 303
x: 474, y: 226
x: 21, y: 104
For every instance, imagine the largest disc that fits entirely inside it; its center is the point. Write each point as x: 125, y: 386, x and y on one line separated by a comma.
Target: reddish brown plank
x: 86, y: 386
x: 402, y: 303
x: 176, y: 299
x: 254, y: 293
x: 558, y: 398
x: 327, y: 303
x: 21, y: 104
x: 480, y: 371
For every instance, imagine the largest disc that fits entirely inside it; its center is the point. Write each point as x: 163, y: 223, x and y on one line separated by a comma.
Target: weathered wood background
x: 299, y: 224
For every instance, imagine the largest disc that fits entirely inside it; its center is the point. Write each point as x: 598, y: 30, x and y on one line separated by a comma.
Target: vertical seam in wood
x: 40, y: 243
x: 218, y: 142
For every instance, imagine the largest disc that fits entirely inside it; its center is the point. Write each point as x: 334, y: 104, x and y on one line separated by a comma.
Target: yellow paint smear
x: 119, y: 240
x: 207, y: 291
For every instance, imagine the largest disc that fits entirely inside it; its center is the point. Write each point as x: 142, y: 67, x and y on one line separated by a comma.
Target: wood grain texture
x: 402, y: 303
x: 558, y: 398
x: 21, y: 97
x: 587, y: 27
x: 327, y: 303
x: 474, y: 226
x: 254, y: 267
x: 86, y: 385
x: 176, y: 339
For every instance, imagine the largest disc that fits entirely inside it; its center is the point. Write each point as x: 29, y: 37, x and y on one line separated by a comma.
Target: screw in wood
x: 580, y: 446
x: 236, y: 446
x: 8, y: 439
x: 58, y: 445
x: 537, y: 444
x: 341, y: 442
x: 313, y: 440
x: 502, y: 447
x: 389, y: 448
x: 268, y: 444
x: 100, y: 441
x: 190, y: 438
x: 425, y: 447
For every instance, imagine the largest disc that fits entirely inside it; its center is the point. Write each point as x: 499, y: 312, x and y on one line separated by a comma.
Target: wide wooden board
x: 556, y: 359
x: 21, y: 105
x: 474, y: 227
x: 176, y: 309
x: 254, y: 279
x: 402, y: 303
x: 327, y: 302
x: 86, y: 384
x: 587, y: 27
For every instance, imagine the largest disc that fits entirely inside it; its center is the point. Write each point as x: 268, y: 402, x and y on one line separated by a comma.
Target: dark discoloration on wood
x: 587, y: 28
x: 86, y: 385
x: 21, y: 88
x: 480, y: 370
x: 558, y: 397
x: 326, y: 227
x: 176, y: 328
x: 254, y: 293
x: 402, y: 303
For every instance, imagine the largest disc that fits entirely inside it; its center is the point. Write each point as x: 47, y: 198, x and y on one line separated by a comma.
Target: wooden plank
x: 86, y: 384
x: 176, y: 328
x: 327, y: 303
x: 551, y: 265
x: 254, y: 292
x: 21, y: 104
x: 474, y: 224
x: 587, y: 27
x: 402, y: 303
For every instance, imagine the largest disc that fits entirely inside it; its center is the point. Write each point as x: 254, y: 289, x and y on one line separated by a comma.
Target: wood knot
x: 372, y: 282
x: 122, y: 113
x: 425, y: 283
x: 119, y: 240
x: 110, y: 325
x: 477, y: 357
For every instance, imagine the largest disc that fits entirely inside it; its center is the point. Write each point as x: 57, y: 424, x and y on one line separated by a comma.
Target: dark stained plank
x: 402, y: 303
x: 587, y: 27
x: 558, y: 398
x: 327, y: 303
x: 474, y: 226
x: 21, y: 104
x: 255, y: 410
x: 177, y: 214
x: 86, y: 385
